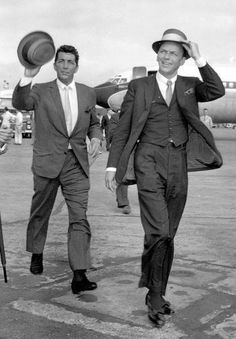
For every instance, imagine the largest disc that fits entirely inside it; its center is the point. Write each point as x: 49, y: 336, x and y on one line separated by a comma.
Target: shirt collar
x: 63, y: 86
x: 164, y: 80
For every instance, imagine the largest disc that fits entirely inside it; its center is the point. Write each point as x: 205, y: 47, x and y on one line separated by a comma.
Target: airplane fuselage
x: 111, y: 94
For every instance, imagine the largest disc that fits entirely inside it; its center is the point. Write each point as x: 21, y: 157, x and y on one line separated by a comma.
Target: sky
x: 113, y: 36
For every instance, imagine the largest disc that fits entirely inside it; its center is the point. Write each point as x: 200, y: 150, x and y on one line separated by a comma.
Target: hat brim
x: 157, y: 44
x: 42, y: 51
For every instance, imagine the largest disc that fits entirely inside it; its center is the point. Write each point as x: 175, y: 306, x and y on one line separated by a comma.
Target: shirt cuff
x: 25, y: 81
x: 111, y: 169
x: 201, y: 62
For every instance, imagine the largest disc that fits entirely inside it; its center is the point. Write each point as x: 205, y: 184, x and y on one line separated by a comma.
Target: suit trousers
x: 122, y: 195
x: 75, y: 186
x: 162, y: 182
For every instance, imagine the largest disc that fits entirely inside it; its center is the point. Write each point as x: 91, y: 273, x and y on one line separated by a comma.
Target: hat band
x: 173, y: 37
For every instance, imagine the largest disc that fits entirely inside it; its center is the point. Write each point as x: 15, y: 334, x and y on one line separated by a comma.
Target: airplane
x: 111, y: 93
x: 223, y: 110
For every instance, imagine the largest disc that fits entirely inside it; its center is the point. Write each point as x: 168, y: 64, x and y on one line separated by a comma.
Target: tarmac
x: 202, y: 284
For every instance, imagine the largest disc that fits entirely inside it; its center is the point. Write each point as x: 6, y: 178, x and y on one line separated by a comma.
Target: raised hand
x: 192, y: 49
x: 30, y: 73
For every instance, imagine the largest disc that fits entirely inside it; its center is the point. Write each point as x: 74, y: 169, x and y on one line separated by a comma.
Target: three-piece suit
x: 54, y: 165
x: 169, y: 141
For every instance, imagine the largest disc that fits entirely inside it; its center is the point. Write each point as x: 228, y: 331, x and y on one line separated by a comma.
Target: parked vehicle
x: 27, y: 122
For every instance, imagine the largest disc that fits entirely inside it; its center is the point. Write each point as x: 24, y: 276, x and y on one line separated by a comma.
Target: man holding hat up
x: 160, y: 116
x: 64, y: 115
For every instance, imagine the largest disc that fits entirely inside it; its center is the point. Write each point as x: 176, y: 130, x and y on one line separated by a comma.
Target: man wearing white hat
x: 18, y: 128
x: 65, y: 115
x: 160, y: 116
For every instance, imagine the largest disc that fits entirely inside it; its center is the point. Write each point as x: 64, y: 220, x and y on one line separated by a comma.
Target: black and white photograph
x: 117, y: 164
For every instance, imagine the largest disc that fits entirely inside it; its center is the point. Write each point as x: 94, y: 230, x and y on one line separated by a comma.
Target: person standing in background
x: 7, y: 118
x: 18, y: 128
x: 105, y: 121
x: 121, y: 189
x: 206, y: 119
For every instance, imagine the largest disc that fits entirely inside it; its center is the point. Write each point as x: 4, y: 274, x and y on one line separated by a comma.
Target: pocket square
x: 189, y: 91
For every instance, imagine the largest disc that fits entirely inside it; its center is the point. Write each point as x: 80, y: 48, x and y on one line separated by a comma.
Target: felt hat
x: 35, y: 49
x: 172, y: 35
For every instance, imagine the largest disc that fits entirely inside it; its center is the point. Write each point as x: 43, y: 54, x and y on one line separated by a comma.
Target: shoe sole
x: 36, y: 272
x: 158, y: 322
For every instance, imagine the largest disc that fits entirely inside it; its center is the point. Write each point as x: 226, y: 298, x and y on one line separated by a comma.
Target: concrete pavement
x: 202, y: 283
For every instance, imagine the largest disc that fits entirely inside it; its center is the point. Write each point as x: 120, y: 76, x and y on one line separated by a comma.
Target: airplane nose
x: 104, y: 91
x: 116, y: 99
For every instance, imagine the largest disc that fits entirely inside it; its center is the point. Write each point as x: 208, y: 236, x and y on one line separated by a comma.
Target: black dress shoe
x: 166, y: 307
x: 156, y: 316
x: 36, y: 266
x: 83, y: 285
x: 168, y: 310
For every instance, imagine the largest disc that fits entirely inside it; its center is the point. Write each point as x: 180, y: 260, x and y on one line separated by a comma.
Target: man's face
x: 170, y: 58
x: 66, y: 67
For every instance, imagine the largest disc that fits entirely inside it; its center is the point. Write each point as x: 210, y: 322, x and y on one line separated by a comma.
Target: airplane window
x: 225, y: 84
x: 231, y: 85
x: 123, y: 80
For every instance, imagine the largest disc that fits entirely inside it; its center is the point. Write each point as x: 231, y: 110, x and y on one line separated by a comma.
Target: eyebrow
x: 61, y: 59
x: 170, y: 51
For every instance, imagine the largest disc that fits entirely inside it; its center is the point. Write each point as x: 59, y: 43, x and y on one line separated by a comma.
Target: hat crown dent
x: 175, y: 33
x: 40, y: 52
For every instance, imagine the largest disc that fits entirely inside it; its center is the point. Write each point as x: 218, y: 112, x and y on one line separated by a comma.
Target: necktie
x: 67, y: 110
x: 168, y: 92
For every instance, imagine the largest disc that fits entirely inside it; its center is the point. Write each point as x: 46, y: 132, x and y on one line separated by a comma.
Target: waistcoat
x: 164, y: 124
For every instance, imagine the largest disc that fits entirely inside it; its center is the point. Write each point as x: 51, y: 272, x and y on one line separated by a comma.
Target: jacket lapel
x: 150, y: 88
x: 82, y: 102
x: 59, y: 119
x: 80, y: 107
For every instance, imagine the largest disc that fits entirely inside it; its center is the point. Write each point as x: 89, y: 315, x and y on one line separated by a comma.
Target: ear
x: 182, y: 61
x: 76, y: 69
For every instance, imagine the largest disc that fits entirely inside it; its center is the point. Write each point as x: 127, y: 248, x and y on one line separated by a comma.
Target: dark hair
x: 68, y: 49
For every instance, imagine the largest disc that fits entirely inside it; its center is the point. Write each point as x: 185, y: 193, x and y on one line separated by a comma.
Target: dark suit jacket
x: 113, y: 124
x: 201, y: 149
x: 51, y: 137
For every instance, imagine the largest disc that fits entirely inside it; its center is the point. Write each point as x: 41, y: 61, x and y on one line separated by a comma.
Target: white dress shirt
x: 162, y: 83
x: 72, y: 95
x: 72, y: 98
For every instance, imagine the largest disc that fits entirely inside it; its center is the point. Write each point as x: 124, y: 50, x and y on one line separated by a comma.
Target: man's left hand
x: 94, y: 147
